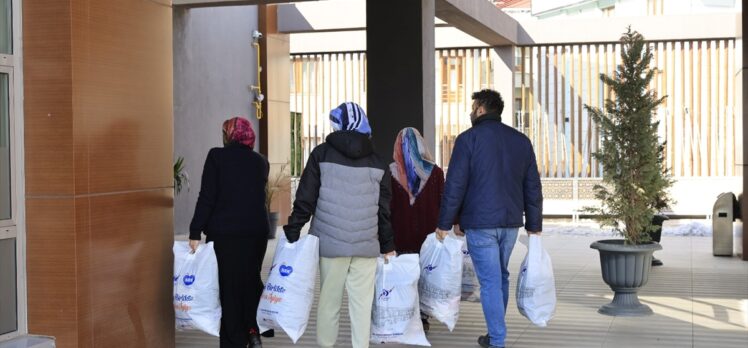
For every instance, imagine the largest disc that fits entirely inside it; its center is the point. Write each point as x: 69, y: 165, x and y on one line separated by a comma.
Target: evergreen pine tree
x: 632, y: 158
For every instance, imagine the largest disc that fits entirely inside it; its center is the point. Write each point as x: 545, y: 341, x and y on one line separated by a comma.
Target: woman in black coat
x: 231, y: 212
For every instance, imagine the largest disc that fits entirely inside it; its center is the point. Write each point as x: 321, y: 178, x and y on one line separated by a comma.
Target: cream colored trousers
x: 357, y: 276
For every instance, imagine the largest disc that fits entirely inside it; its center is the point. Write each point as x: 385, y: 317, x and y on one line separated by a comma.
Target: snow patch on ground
x: 678, y: 228
x: 693, y: 228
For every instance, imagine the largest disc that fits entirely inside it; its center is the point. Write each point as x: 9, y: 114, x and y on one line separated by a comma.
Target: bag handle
x: 439, y: 248
x: 288, y: 245
x: 534, y: 251
x: 189, y: 260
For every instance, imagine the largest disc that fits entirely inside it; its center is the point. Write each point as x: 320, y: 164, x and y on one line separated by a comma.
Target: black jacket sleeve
x: 306, y: 197
x: 386, y: 235
x: 206, y: 201
x: 533, y: 197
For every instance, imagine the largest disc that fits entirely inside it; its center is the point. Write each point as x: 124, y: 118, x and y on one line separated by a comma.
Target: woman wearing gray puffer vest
x: 346, y: 186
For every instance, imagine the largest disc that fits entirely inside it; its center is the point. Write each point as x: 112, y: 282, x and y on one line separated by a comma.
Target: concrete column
x: 400, y: 70
x: 504, y: 81
x: 744, y: 77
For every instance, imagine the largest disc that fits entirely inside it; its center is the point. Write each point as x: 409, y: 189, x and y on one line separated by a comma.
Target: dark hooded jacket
x: 346, y: 187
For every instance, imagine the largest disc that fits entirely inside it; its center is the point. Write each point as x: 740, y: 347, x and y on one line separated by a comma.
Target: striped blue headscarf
x: 350, y: 116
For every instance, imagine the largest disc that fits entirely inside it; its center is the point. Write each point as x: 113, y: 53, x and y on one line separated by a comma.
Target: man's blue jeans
x: 490, y: 250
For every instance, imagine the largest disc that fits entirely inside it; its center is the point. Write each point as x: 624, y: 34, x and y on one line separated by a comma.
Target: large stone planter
x: 625, y: 268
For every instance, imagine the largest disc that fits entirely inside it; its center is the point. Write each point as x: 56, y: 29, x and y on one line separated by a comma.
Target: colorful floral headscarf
x: 238, y: 130
x: 413, y: 162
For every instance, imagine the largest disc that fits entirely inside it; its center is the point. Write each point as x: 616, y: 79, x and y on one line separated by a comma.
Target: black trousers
x: 657, y: 221
x: 239, y: 265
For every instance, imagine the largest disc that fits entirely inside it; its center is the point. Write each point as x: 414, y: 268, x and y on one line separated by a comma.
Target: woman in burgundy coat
x: 417, y: 185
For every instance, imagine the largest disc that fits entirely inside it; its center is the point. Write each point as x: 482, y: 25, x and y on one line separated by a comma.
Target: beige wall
x: 214, y: 65
x: 276, y: 71
x: 98, y: 146
x: 654, y: 28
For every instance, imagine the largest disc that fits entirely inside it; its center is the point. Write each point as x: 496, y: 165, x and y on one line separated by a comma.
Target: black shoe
x: 255, y: 341
x: 426, y: 325
x: 656, y: 262
x: 485, y: 342
x: 268, y: 333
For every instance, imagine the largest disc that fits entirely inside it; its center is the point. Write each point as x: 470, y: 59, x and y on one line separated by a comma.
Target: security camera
x: 256, y: 35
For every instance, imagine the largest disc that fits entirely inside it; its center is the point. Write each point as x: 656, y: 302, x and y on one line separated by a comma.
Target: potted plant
x: 279, y: 182
x: 634, y: 176
x: 181, y: 179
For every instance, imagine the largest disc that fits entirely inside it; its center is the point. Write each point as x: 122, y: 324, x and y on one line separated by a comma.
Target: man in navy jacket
x: 492, y: 179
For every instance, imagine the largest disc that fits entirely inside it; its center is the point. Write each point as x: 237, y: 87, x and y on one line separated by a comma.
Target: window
x: 609, y: 12
x: 452, y: 85
x: 5, y: 183
x: 654, y: 7
x: 296, y: 78
x: 6, y: 28
x: 8, y: 285
x: 486, y: 73
x: 296, y: 151
x: 8, y: 254
x: 12, y: 298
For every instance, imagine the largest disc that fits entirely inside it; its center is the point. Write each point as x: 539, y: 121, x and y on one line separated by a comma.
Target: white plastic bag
x: 289, y: 291
x: 395, y: 316
x: 536, y: 288
x: 197, y: 304
x: 440, y: 285
x: 470, y: 284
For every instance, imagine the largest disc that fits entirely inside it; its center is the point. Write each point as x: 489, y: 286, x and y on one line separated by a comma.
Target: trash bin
x: 722, y: 219
x: 737, y: 240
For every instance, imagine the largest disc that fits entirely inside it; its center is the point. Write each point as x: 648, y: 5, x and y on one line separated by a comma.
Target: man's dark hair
x: 490, y: 100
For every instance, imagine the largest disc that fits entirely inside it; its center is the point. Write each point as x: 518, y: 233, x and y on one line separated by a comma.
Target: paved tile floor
x: 698, y: 300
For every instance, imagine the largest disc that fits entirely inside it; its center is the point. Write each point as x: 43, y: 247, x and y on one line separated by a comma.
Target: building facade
x: 86, y: 188
x: 554, y: 78
x: 97, y: 98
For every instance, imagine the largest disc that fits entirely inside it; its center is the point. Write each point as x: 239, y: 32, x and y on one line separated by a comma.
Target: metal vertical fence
x: 319, y: 83
x: 553, y: 83
x: 698, y: 120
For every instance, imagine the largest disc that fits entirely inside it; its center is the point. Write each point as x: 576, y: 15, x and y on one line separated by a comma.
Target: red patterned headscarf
x: 238, y: 130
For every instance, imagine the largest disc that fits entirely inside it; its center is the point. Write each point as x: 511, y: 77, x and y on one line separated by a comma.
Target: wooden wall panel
x: 47, y: 97
x: 83, y: 250
x: 98, y: 100
x: 131, y: 242
x: 51, y: 269
x: 123, y: 74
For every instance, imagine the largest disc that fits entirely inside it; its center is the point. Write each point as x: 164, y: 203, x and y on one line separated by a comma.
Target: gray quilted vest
x: 346, y: 219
